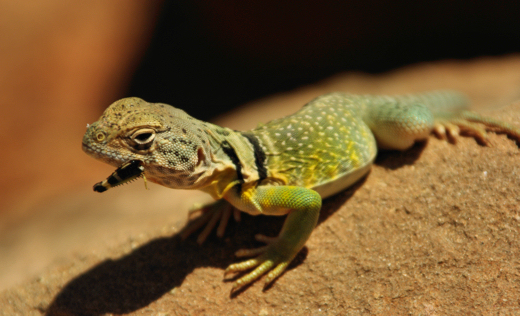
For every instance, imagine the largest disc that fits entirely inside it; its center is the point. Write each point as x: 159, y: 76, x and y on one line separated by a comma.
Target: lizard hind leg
x: 398, y: 125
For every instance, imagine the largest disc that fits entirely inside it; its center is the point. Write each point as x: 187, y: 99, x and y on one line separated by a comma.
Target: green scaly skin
x: 284, y: 167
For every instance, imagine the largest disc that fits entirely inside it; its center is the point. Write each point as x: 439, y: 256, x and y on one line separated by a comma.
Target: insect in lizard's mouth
x: 126, y: 173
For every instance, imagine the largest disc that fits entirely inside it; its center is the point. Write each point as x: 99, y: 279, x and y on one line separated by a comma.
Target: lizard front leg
x: 302, y: 206
x: 216, y: 212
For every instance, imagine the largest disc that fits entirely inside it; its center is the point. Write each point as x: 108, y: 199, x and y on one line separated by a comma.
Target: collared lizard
x: 284, y: 167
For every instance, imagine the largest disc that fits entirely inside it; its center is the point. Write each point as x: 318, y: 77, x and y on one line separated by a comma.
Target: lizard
x: 283, y: 167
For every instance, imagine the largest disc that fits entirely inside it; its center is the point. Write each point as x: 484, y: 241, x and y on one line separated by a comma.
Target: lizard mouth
x: 95, y: 152
x: 90, y: 151
x: 86, y: 148
x: 107, y: 155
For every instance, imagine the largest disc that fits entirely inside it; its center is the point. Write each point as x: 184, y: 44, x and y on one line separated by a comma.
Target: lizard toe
x: 266, y: 239
x: 242, y: 266
x: 276, y: 272
x: 218, y: 212
x: 273, y: 258
x: 253, y: 275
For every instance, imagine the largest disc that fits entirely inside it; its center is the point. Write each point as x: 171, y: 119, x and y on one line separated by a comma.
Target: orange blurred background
x: 62, y: 62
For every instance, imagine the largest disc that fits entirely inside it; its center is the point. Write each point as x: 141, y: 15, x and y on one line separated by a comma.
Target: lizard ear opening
x: 201, y: 156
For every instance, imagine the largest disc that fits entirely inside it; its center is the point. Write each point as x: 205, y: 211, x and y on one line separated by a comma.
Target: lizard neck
x: 236, y: 157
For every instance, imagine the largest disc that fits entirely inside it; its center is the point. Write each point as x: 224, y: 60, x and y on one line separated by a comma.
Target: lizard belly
x: 342, y: 182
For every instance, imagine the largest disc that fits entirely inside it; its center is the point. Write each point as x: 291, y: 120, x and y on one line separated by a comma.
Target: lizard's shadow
x: 393, y: 159
x: 135, y: 280
x: 139, y: 278
x: 147, y: 273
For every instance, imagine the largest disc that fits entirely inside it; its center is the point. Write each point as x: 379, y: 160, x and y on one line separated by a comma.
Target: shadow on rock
x: 147, y: 273
x: 135, y: 280
x: 394, y: 159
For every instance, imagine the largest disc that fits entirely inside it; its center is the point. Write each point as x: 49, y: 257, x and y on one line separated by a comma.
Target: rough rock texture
x: 431, y: 231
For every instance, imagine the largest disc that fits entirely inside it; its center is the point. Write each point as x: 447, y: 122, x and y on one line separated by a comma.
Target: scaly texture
x: 283, y: 167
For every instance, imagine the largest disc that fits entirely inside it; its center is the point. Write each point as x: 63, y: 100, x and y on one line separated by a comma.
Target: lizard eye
x: 143, y: 138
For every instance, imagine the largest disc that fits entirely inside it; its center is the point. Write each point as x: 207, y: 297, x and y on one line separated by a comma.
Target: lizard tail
x: 439, y: 101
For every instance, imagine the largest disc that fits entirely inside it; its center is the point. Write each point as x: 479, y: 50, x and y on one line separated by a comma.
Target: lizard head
x: 171, y: 144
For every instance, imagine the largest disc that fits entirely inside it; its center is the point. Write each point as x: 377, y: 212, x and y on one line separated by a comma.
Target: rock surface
x: 431, y: 231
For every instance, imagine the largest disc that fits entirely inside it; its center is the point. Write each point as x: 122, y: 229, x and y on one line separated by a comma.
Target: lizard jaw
x: 111, y: 157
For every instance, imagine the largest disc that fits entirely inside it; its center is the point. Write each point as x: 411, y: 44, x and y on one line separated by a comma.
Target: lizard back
x: 325, y: 146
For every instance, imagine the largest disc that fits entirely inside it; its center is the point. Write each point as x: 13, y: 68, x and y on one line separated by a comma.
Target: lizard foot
x: 220, y: 212
x: 451, y: 129
x: 275, y: 257
x: 474, y: 125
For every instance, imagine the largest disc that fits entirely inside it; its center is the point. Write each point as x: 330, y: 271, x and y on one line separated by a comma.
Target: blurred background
x: 63, y: 62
